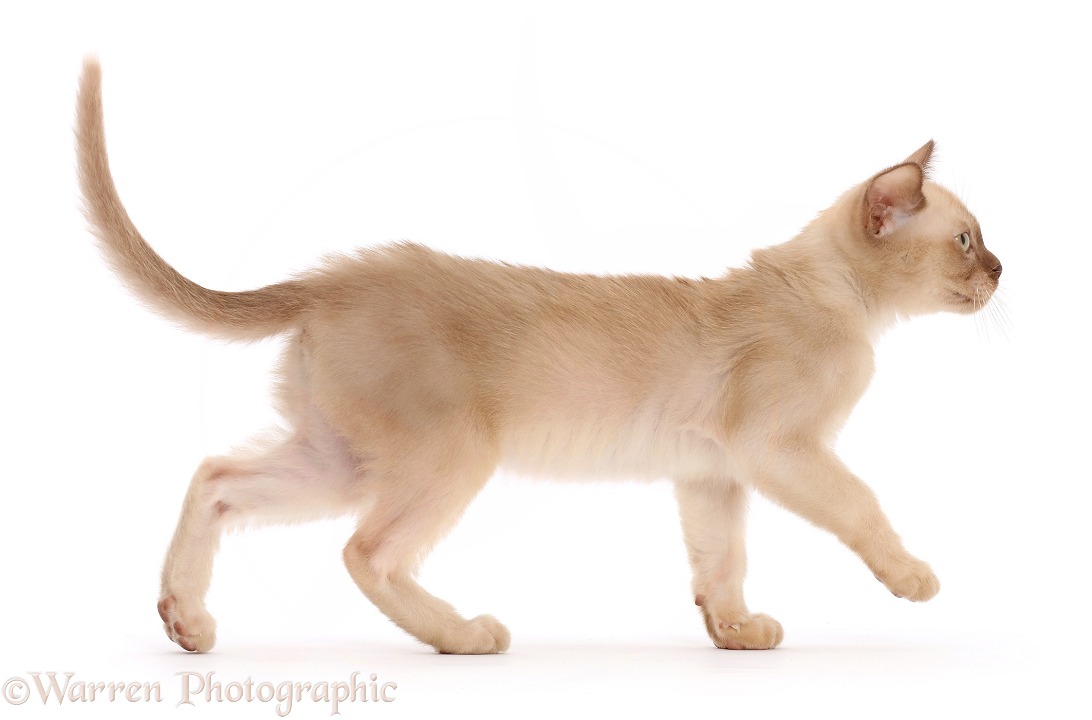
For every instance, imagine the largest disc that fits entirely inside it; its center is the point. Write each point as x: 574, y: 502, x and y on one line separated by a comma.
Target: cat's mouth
x: 961, y: 298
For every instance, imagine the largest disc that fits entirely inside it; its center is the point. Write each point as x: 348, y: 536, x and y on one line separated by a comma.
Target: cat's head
x: 916, y: 245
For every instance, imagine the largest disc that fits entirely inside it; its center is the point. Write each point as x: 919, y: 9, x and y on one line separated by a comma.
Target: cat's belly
x: 641, y: 450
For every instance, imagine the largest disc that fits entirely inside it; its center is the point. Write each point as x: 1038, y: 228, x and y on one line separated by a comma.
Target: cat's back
x: 437, y: 330
x: 407, y: 287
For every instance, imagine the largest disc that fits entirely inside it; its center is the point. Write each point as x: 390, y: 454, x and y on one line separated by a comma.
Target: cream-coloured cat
x: 409, y: 376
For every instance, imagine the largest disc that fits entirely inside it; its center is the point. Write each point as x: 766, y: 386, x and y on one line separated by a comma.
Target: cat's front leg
x: 713, y: 514
x: 813, y: 483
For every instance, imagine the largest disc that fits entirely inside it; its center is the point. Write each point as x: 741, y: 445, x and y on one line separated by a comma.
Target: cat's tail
x: 248, y: 315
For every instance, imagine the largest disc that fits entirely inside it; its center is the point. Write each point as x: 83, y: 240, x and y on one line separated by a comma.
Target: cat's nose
x: 997, y: 271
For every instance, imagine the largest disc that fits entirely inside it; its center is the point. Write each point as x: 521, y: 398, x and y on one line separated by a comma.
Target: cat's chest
x: 826, y: 386
x: 796, y: 388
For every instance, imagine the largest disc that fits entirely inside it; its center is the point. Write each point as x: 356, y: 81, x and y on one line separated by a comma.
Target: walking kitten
x: 409, y: 376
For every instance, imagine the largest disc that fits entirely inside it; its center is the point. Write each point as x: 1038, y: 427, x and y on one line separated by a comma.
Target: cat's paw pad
x: 194, y: 631
x: 753, y: 632
x: 484, y: 635
x: 911, y: 579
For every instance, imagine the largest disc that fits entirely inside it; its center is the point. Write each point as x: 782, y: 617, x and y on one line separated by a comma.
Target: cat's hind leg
x: 280, y: 478
x: 419, y: 498
x: 713, y: 514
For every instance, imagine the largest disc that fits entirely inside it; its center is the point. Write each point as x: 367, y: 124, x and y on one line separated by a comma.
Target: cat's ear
x: 922, y: 157
x: 892, y: 198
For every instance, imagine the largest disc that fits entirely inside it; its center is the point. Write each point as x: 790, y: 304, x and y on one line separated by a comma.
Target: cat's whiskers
x: 998, y: 313
x: 993, y: 313
x: 979, y: 326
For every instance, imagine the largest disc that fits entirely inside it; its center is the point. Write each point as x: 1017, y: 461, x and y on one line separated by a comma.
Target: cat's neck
x: 822, y: 275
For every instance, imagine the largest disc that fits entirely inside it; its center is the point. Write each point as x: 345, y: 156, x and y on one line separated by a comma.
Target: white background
x: 248, y: 140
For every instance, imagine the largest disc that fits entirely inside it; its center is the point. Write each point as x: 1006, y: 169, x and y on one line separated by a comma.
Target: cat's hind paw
x: 192, y: 631
x: 484, y: 635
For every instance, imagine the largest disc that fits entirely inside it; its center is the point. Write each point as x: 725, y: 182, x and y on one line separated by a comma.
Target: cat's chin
x: 966, y: 304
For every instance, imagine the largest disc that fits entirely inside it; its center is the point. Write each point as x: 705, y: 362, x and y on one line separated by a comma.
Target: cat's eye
x: 964, y: 239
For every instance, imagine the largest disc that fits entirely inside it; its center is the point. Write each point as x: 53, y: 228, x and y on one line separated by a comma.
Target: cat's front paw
x: 910, y: 578
x: 751, y: 632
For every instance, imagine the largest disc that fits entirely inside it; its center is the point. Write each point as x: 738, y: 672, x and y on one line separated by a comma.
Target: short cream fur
x: 409, y: 376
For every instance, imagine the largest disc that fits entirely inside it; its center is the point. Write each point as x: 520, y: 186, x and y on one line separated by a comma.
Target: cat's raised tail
x: 247, y: 315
